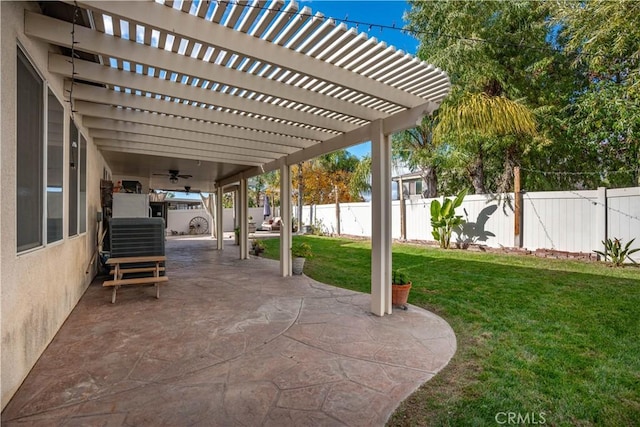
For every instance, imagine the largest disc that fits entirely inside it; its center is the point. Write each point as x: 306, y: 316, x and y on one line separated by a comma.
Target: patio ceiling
x: 223, y: 89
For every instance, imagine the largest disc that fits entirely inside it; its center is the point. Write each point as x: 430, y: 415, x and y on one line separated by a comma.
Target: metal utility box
x: 133, y: 237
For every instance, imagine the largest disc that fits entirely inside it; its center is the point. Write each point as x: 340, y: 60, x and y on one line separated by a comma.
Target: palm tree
x: 339, y: 165
x: 478, y: 117
x: 416, y: 148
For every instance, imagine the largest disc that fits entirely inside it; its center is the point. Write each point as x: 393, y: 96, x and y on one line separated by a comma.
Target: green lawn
x: 557, y: 341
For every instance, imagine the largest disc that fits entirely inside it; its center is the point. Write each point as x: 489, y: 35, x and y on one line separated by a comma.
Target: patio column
x: 285, y: 214
x: 242, y: 219
x: 219, y: 214
x: 380, y: 221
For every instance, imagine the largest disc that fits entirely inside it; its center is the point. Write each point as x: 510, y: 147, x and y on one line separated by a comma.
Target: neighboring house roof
x: 235, y: 88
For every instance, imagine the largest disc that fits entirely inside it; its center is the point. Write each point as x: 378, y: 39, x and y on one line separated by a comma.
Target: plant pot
x: 400, y: 294
x: 297, y: 265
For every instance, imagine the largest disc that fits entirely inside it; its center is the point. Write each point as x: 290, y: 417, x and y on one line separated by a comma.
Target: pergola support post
x: 381, y: 221
x: 219, y: 213
x: 242, y: 219
x: 285, y: 214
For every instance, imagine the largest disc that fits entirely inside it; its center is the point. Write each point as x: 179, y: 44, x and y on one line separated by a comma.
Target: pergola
x: 225, y: 91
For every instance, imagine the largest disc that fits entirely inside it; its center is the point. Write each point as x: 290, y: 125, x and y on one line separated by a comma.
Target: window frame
x: 79, y: 210
x: 46, y: 167
x: 23, y: 57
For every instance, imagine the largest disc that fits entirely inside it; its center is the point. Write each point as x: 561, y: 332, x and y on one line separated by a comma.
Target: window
x: 30, y: 156
x: 82, y: 204
x: 419, y: 187
x: 77, y: 181
x: 74, y: 159
x: 55, y: 152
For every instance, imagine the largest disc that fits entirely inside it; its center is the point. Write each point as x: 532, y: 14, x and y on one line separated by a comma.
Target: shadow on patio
x: 229, y: 342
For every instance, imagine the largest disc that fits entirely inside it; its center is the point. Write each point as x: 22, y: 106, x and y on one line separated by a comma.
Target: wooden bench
x: 120, y: 268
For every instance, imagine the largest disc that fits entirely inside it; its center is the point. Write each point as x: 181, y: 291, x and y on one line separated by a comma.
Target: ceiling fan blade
x: 185, y: 176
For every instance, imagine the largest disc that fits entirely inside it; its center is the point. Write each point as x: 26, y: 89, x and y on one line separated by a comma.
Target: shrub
x: 444, y: 218
x: 613, y: 249
x: 399, y: 277
x: 301, y: 250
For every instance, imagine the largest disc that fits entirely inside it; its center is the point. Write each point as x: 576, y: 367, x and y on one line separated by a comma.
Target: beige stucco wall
x: 39, y: 288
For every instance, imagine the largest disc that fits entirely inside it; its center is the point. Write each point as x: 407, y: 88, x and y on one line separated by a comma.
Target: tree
x: 602, y: 37
x: 256, y: 186
x: 480, y: 117
x: 491, y: 78
x: 319, y: 184
x: 360, y: 180
x: 416, y: 148
x: 272, y: 186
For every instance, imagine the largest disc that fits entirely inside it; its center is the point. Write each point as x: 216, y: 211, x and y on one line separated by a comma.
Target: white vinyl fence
x: 574, y: 221
x: 178, y: 220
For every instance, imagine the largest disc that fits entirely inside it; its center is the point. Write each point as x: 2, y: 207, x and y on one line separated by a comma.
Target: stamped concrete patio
x: 229, y: 342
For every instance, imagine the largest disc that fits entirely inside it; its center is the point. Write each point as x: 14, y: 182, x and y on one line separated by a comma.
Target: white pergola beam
x: 122, y: 147
x: 57, y: 32
x: 398, y: 122
x: 90, y: 71
x: 153, y: 15
x: 127, y: 146
x: 102, y: 95
x: 180, y: 145
x: 96, y: 124
x: 106, y: 115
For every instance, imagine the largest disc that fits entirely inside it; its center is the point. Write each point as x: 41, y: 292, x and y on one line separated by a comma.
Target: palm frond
x: 488, y: 115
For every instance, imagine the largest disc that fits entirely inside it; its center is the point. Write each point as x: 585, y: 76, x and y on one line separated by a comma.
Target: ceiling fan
x: 187, y: 190
x: 174, y: 175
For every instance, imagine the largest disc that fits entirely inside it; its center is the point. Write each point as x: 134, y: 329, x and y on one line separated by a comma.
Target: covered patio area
x: 230, y: 342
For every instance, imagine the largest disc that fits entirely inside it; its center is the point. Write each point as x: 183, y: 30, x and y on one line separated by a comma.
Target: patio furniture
x: 273, y: 224
x: 130, y: 265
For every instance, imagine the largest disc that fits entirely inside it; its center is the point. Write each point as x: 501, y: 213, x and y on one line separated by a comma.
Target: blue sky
x: 383, y: 12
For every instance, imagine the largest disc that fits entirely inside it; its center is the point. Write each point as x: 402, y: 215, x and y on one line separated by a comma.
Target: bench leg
x: 113, y: 295
x: 157, y: 290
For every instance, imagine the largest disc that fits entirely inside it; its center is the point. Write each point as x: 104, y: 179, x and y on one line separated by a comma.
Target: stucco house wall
x: 40, y: 287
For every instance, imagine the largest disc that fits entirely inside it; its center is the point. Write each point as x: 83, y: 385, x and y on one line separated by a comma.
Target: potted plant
x: 400, y: 286
x: 300, y: 252
x: 257, y: 247
x: 252, y: 225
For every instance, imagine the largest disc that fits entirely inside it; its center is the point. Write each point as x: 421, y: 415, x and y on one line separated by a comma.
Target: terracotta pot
x: 400, y: 294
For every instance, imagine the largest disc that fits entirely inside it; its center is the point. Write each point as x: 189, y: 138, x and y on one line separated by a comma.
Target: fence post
x: 517, y: 214
x: 403, y: 210
x: 601, y: 218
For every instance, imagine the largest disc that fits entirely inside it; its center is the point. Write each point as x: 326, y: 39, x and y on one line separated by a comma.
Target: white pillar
x: 381, y: 221
x: 236, y: 207
x: 285, y: 214
x: 219, y: 215
x: 242, y: 219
